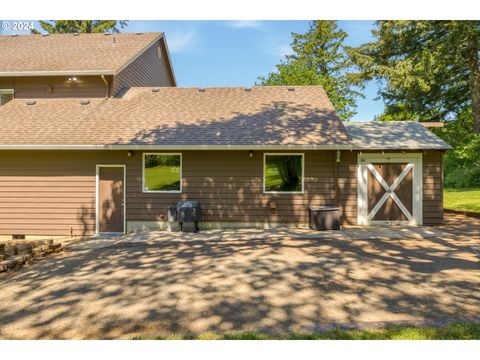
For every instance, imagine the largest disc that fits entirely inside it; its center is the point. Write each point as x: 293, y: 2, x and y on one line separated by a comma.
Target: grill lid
x: 187, y: 204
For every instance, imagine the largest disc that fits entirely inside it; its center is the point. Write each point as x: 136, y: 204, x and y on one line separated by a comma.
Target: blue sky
x: 236, y: 53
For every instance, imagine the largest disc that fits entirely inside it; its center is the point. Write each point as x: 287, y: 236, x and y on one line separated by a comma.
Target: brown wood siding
x: 433, y: 188
x: 48, y: 193
x: 347, y: 186
x: 229, y: 186
x: 45, y: 87
x: 146, y: 70
x: 51, y: 192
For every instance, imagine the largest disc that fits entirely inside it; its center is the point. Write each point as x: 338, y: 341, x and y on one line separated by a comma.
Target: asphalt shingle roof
x: 394, y: 135
x: 222, y: 116
x: 75, y: 53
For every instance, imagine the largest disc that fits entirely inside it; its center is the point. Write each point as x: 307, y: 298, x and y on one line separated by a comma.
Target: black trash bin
x: 324, y: 217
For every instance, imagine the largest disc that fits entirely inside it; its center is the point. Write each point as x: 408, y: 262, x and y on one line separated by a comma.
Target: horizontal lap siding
x: 347, y: 186
x: 230, y: 188
x: 146, y: 70
x: 49, y: 193
x: 433, y: 188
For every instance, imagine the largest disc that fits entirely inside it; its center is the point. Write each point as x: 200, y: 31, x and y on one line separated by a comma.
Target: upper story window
x: 5, y: 96
x: 283, y: 173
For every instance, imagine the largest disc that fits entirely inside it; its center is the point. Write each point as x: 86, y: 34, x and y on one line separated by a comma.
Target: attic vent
x: 14, y: 35
x: 107, y: 33
x: 76, y: 34
x: 291, y: 89
x: 155, y: 89
x: 139, y: 33
x: 46, y: 34
x: 202, y: 89
x: 30, y: 102
x: 247, y: 89
x: 84, y: 102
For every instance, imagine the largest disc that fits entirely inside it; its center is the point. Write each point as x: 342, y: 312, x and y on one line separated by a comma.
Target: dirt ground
x: 276, y: 284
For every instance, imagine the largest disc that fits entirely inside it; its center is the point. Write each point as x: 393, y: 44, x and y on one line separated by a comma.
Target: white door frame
x: 97, y: 195
x: 414, y: 161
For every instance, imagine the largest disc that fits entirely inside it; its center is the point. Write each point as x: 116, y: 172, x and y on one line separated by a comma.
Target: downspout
x: 106, y: 86
x: 335, y: 176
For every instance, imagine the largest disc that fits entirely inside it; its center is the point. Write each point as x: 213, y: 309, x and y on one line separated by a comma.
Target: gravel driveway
x: 191, y: 286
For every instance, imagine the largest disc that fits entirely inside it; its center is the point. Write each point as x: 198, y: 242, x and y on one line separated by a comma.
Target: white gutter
x: 57, y: 73
x: 175, y: 147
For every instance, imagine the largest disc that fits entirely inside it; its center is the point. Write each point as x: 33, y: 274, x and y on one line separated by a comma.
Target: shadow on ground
x: 277, y: 285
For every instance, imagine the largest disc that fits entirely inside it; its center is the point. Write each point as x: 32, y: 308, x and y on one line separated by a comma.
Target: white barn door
x: 390, y: 189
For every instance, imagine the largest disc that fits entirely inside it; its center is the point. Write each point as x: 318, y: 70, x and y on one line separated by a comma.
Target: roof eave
x: 172, y: 147
x: 415, y: 148
x: 172, y: 71
x: 56, y: 73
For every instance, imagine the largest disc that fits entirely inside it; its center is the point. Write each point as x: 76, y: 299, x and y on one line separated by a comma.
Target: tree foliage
x: 430, y: 70
x: 319, y: 59
x: 427, y: 70
x: 81, y: 26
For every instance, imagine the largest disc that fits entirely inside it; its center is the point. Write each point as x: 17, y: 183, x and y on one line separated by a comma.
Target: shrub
x: 462, y: 178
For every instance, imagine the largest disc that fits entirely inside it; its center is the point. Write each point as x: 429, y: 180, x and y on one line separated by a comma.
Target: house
x: 96, y: 137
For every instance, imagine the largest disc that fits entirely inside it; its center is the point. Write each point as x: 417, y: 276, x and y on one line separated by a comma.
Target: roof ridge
x: 84, y: 34
x: 229, y: 87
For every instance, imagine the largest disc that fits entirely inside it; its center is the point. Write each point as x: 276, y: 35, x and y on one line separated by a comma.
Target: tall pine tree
x: 428, y: 70
x: 319, y: 59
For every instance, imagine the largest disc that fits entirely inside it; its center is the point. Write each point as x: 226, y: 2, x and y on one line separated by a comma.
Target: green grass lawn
x: 274, y: 182
x: 162, y: 178
x: 462, y: 199
x: 452, y: 332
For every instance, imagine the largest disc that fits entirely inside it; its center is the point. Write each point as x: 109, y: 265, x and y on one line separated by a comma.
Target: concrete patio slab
x: 278, y: 233
x: 393, y: 232
x: 151, y: 237
x: 353, y: 233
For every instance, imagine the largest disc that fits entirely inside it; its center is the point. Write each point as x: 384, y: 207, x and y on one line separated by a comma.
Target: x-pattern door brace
x: 389, y: 191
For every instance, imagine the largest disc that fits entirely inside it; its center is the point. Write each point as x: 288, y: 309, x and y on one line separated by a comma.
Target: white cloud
x: 181, y: 41
x: 250, y: 24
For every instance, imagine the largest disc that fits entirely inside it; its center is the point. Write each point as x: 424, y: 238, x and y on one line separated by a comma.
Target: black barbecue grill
x: 185, y: 211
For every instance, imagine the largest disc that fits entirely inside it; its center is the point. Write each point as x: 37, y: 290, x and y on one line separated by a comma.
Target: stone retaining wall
x: 14, y: 254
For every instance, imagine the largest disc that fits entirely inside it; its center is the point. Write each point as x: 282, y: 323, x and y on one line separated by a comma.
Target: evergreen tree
x: 427, y: 70
x: 319, y: 59
x: 81, y: 26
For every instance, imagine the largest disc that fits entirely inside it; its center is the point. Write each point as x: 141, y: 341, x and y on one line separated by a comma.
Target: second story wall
x: 44, y: 87
x: 151, y: 68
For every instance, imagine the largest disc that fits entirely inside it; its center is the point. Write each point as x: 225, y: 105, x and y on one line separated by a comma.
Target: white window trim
x: 97, y: 195
x: 362, y: 187
x: 283, y: 192
x: 162, y: 191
